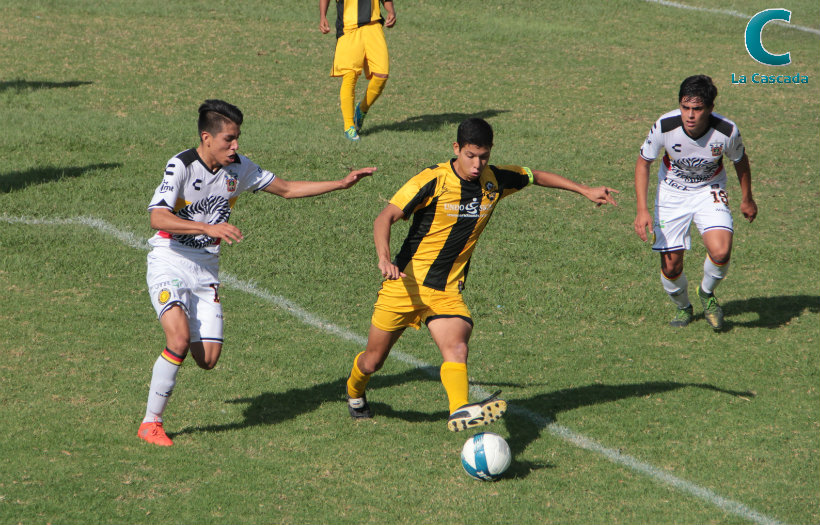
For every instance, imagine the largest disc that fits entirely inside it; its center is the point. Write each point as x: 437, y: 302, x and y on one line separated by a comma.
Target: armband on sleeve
x: 529, y: 174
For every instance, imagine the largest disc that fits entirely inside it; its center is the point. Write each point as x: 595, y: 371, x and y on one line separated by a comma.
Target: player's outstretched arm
x: 643, y: 221
x: 293, y: 189
x: 748, y: 206
x: 599, y: 195
x: 381, y: 237
x: 163, y: 219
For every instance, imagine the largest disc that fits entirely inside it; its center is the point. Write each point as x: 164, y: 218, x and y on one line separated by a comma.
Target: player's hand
x: 749, y: 209
x: 390, y: 271
x: 643, y: 223
x: 602, y: 195
x: 356, y: 175
x: 324, y: 25
x: 391, y: 20
x: 225, y: 231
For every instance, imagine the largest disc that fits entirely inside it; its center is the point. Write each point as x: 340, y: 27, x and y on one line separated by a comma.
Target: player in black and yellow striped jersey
x: 451, y: 204
x: 360, y: 46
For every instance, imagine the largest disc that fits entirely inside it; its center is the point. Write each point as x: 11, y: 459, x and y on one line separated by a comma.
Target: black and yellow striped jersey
x: 351, y: 14
x: 449, y: 215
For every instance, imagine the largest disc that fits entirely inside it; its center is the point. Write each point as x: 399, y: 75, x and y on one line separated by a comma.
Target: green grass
x: 570, y: 316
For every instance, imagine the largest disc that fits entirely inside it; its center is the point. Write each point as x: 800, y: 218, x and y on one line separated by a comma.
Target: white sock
x: 163, y: 380
x: 677, y: 289
x: 712, y: 274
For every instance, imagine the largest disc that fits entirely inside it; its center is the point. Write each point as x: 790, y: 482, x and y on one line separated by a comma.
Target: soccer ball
x: 486, y: 456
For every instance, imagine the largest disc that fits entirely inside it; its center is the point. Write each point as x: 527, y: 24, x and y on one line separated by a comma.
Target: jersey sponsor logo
x: 473, y: 208
x: 675, y: 185
x: 165, y: 187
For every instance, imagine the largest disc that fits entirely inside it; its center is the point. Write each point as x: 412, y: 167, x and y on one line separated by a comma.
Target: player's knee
x: 178, y: 344
x: 672, y: 267
x: 720, y: 257
x: 457, y: 352
x: 207, y: 364
x: 370, y: 366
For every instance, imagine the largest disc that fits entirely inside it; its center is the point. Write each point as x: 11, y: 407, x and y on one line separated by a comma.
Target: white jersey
x: 193, y: 192
x: 691, y: 163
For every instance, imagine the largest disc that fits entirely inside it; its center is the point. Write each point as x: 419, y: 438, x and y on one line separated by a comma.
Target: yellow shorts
x: 363, y: 48
x: 399, y: 306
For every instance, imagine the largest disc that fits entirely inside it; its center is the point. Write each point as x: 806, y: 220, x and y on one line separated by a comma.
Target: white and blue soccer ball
x: 486, y: 456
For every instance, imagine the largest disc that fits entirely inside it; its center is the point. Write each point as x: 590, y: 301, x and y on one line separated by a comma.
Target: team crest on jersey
x: 230, y: 183
x: 164, y: 295
x: 717, y: 149
x: 491, y: 190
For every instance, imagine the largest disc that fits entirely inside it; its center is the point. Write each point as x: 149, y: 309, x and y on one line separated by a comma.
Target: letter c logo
x: 754, y: 37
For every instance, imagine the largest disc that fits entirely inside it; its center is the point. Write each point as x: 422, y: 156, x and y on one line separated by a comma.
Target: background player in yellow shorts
x: 360, y: 46
x: 451, y: 204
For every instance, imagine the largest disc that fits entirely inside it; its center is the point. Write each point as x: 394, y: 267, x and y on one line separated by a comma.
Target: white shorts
x: 708, y: 207
x: 193, y: 284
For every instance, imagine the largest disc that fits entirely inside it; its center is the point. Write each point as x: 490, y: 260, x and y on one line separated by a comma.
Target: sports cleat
x: 359, y: 408
x: 351, y: 134
x: 153, y: 433
x: 477, y: 414
x: 682, y: 317
x: 711, y: 309
x: 358, y: 117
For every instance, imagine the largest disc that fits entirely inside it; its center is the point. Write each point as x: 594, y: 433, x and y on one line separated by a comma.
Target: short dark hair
x: 475, y: 131
x: 213, y: 114
x: 698, y: 86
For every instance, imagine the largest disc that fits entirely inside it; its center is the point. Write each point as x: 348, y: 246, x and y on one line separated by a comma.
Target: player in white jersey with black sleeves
x: 190, y: 211
x: 692, y: 187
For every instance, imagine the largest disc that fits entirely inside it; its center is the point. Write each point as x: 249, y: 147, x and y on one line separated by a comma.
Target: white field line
x: 730, y: 12
x: 546, y: 423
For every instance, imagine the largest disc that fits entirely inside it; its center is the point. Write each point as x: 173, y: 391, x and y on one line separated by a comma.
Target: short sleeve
x: 416, y: 193
x: 651, y: 147
x: 734, y: 146
x: 165, y: 195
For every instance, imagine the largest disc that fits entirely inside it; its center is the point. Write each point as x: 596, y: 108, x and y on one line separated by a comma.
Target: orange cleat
x: 153, y: 433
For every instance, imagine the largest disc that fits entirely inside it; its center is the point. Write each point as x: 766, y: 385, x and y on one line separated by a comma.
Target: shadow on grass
x: 34, y: 85
x: 431, y: 122
x: 772, y: 312
x: 525, y: 420
x: 528, y: 418
x: 270, y: 408
x: 16, y: 180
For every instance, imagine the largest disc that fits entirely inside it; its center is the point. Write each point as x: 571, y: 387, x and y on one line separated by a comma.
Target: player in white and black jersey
x: 692, y: 187
x: 190, y: 211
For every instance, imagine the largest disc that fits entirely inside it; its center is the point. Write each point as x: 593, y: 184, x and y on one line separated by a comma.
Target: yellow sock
x: 374, y: 89
x: 347, y: 97
x: 454, y: 379
x: 357, y: 381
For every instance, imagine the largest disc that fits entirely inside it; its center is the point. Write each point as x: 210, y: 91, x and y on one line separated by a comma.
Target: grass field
x: 614, y: 418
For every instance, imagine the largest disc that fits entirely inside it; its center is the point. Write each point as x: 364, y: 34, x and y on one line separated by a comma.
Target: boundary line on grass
x: 546, y: 423
x: 730, y: 12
